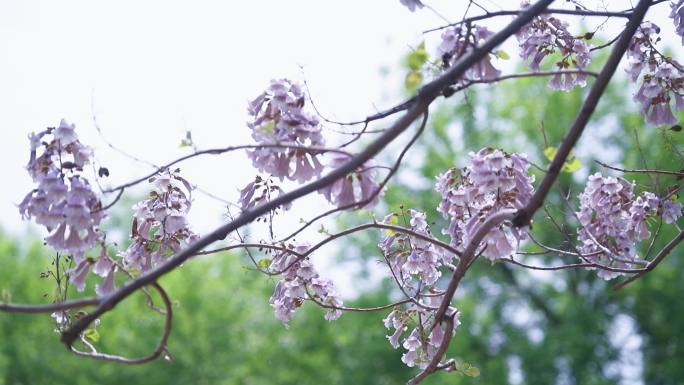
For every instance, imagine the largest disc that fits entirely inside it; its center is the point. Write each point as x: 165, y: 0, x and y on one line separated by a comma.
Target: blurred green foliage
x: 224, y: 332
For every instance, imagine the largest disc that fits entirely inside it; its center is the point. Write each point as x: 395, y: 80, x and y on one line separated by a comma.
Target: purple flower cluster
x: 278, y: 118
x: 492, y: 182
x: 662, y: 82
x: 677, y: 15
x: 260, y: 191
x: 159, y: 223
x: 421, y: 344
x: 613, y: 220
x: 410, y: 256
x: 459, y: 41
x: 546, y: 35
x: 299, y: 281
x: 358, y: 186
x: 63, y: 200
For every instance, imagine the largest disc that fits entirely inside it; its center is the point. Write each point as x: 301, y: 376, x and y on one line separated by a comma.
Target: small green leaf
x: 502, y: 55
x: 264, y: 263
x: 92, y: 335
x: 550, y: 152
x: 413, y: 80
x: 472, y: 372
x: 6, y: 296
x: 572, y: 165
x: 418, y: 57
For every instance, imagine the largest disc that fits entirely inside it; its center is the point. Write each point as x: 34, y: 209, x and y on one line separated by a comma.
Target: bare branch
x: 489, y: 15
x: 161, y: 346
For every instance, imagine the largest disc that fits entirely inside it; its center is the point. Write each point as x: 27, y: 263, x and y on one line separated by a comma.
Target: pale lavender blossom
x: 672, y: 210
x: 300, y: 281
x: 277, y: 118
x: 421, y: 344
x: 677, y: 15
x: 546, y: 35
x: 412, y: 4
x: 359, y: 186
x: 662, y: 81
x: 613, y: 220
x: 77, y: 274
x: 412, y: 257
x: 107, y: 285
x: 459, y: 41
x: 65, y: 133
x: 160, y: 223
x: 260, y: 191
x: 492, y: 182
x: 63, y: 201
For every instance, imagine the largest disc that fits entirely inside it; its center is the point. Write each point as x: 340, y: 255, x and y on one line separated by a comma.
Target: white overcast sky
x: 153, y: 69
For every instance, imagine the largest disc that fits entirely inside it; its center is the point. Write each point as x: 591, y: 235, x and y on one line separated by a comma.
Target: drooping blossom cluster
x: 358, y: 186
x: 409, y: 256
x: 546, y: 35
x: 299, y: 281
x: 63, y: 200
x: 677, y: 15
x: 613, y: 220
x: 493, y: 181
x: 662, y: 78
x: 160, y: 226
x: 260, y: 191
x: 459, y: 41
x: 421, y: 343
x: 277, y: 117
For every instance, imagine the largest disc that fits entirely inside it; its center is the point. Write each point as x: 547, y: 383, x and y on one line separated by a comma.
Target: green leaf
x: 413, y: 80
x: 550, y: 152
x: 92, y: 335
x: 264, y: 263
x: 418, y: 57
x: 571, y: 165
x: 472, y: 372
x: 502, y: 55
x: 6, y: 296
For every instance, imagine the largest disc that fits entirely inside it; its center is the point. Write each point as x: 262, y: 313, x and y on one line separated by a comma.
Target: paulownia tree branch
x: 425, y: 97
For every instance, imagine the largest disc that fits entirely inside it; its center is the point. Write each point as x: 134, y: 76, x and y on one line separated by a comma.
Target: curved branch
x: 658, y: 258
x: 468, y: 257
x: 161, y: 345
